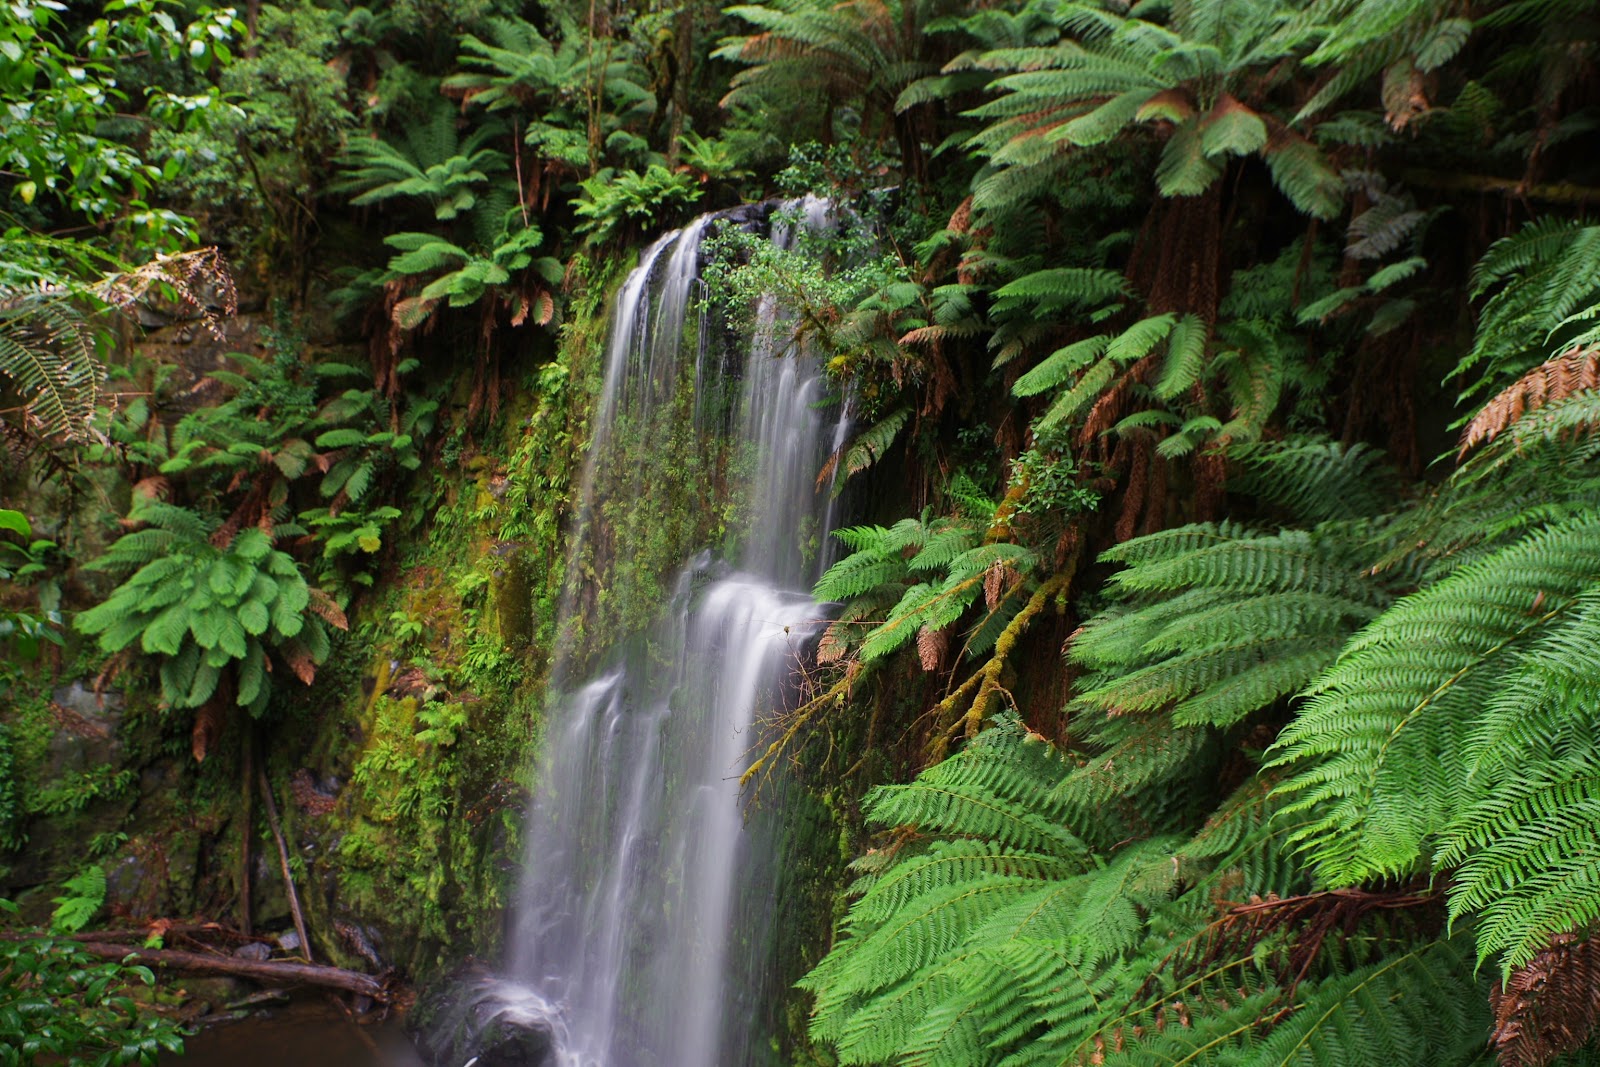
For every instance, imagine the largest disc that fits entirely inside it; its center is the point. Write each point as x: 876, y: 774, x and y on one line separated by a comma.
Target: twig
x: 283, y: 859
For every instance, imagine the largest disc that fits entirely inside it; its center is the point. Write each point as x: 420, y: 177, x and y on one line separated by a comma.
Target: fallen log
x: 267, y: 972
x: 140, y: 933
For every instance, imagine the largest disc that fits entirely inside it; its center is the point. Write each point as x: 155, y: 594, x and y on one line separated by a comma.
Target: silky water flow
x: 641, y: 937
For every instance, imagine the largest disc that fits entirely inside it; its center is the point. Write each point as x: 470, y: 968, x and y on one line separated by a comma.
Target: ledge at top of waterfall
x: 642, y: 932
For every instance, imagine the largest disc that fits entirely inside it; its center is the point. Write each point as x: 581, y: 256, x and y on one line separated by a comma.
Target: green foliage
x: 1197, y: 73
x: 1111, y: 376
x: 20, y: 562
x: 76, y: 790
x: 12, y: 835
x: 255, y: 171
x: 869, y: 54
x: 411, y: 778
x: 210, y: 603
x: 289, y: 433
x: 47, y: 352
x: 64, y: 85
x: 927, y: 574
x: 82, y: 897
x: 56, y: 301
x: 461, y: 277
x: 618, y: 202
x: 1544, y: 297
x: 1218, y: 622
x: 985, y: 932
x: 577, y: 100
x: 870, y: 445
x: 1316, y: 480
x: 431, y: 163
x: 58, y: 1004
x: 1381, y: 742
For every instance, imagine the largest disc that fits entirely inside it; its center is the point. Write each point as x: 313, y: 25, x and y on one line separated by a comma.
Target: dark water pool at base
x: 304, y: 1033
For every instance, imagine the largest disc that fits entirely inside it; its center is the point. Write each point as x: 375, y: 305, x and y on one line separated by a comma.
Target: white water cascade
x: 640, y: 934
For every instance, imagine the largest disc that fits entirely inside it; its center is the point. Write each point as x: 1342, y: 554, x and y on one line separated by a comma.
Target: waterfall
x: 640, y: 924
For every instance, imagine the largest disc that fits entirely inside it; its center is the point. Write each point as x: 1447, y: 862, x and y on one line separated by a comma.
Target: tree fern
x: 1420, y: 1006
x: 430, y: 163
x: 1192, y: 71
x: 979, y: 936
x: 867, y: 448
x: 1520, y: 847
x: 204, y: 601
x: 1315, y: 480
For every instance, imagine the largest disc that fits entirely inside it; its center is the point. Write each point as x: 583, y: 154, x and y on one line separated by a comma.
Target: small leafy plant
x: 58, y: 1004
x: 21, y: 562
x: 615, y: 202
x: 81, y: 898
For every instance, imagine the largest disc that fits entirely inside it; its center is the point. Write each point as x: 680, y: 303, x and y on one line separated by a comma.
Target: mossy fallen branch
x: 268, y: 972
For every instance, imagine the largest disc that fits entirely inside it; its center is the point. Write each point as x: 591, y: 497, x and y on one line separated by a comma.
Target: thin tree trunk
x: 247, y: 830
x: 283, y: 860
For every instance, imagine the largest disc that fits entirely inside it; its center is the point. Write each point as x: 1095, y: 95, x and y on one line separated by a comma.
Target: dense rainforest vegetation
x: 1212, y: 673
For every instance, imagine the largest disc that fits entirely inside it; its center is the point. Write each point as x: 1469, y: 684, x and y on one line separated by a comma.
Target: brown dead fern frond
x: 199, y: 281
x: 931, y: 647
x: 49, y: 334
x: 1574, y: 371
x: 1549, y: 1005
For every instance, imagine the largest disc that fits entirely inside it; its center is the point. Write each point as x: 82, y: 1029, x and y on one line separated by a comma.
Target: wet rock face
x: 86, y: 730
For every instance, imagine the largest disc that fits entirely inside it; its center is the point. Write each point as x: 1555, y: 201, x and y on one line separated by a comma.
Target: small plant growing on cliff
x: 618, y: 202
x: 20, y: 562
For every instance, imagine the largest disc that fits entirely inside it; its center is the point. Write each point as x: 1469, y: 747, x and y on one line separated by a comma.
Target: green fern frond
x: 47, y: 353
x: 1523, y: 858
x: 872, y: 444
x: 1421, y: 1006
x: 1377, y: 754
x: 1316, y: 479
x: 1545, y: 282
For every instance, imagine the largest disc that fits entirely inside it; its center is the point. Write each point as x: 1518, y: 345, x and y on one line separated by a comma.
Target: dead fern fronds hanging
x: 49, y: 333
x: 199, y: 281
x: 1572, y: 372
x: 1549, y: 1005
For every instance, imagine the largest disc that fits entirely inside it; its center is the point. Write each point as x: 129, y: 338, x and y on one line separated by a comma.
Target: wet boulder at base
x: 473, y: 1017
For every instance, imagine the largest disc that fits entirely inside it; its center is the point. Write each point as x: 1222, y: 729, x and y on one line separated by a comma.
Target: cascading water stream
x: 635, y: 944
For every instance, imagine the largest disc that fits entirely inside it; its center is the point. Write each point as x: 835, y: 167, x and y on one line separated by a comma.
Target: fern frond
x: 1377, y: 752
x: 47, y: 352
x: 1571, y: 372
x: 1420, y: 1006
x: 1316, y: 479
x: 872, y: 444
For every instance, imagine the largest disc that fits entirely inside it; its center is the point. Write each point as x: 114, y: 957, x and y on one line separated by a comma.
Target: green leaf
x: 164, y: 634
x: 341, y: 438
